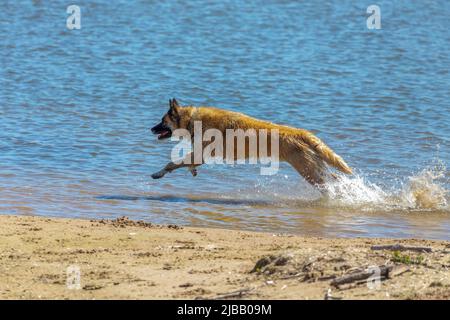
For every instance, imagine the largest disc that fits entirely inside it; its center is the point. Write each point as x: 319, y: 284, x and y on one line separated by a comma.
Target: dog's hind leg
x: 308, y: 166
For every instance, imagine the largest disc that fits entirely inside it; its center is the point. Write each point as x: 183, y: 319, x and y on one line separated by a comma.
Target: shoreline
x: 125, y: 259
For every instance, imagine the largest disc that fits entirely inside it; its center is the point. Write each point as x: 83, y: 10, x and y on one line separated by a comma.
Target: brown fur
x: 299, y: 147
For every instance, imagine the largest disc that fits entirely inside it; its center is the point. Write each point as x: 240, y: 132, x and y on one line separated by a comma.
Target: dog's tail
x: 325, y: 152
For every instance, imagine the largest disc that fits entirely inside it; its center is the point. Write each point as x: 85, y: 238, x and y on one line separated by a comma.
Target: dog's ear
x: 174, y: 106
x: 175, y: 103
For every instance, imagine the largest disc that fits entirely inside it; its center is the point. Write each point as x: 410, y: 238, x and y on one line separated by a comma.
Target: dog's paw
x: 158, y: 175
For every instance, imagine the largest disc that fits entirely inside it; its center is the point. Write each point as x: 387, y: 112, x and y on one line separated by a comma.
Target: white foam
x: 354, y: 191
x: 422, y: 191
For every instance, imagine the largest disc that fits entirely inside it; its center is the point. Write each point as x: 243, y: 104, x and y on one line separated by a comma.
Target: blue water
x: 76, y: 106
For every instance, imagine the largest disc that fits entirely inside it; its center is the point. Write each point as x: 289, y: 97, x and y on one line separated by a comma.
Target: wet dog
x: 298, y: 147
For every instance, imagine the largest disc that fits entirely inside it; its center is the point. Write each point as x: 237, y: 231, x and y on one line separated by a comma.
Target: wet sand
x: 125, y: 259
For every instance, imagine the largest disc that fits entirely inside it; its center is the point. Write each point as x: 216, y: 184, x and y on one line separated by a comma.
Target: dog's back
x: 302, y: 149
x: 299, y: 147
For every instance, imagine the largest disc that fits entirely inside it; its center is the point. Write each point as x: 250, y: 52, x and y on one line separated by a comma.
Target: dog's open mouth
x: 162, y: 131
x: 164, y: 135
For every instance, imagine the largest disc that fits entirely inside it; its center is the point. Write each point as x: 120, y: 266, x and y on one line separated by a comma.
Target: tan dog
x: 300, y: 148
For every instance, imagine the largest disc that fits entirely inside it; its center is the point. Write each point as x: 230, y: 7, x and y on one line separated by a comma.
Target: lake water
x: 76, y: 107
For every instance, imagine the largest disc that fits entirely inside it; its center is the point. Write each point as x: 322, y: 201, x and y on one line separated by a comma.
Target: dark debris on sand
x: 124, y: 221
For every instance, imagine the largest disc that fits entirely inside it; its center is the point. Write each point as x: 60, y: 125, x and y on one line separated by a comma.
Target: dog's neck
x: 190, y: 114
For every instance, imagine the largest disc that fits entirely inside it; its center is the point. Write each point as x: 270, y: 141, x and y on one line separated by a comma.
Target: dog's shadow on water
x: 180, y: 199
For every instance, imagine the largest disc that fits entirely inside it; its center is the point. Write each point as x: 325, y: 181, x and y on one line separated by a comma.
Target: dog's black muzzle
x: 162, y: 131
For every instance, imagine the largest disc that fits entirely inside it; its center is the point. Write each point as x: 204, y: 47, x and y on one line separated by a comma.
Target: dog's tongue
x: 163, y: 134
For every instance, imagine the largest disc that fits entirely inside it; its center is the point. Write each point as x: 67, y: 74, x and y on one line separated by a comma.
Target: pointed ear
x: 175, y: 103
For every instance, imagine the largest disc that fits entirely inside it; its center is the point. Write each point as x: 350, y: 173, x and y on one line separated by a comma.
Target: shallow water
x: 76, y: 106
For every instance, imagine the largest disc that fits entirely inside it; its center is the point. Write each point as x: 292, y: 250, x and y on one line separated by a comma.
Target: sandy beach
x: 126, y: 259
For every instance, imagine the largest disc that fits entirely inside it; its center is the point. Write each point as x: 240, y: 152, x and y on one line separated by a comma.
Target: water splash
x: 424, y: 191
x: 353, y: 191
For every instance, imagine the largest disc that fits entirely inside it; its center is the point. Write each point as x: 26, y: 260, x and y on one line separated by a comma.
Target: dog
x: 305, y: 152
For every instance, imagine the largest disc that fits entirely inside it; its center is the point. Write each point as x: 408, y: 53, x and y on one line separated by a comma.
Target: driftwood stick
x: 325, y: 278
x: 233, y: 294
x: 359, y: 276
x: 357, y: 283
x: 399, y: 247
x: 355, y: 278
x: 292, y: 276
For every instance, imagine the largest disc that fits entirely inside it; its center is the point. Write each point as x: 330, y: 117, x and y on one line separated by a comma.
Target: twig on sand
x: 290, y: 276
x: 326, y: 278
x: 358, y: 276
x: 399, y: 247
x: 233, y: 294
x: 398, y: 270
x: 383, y: 273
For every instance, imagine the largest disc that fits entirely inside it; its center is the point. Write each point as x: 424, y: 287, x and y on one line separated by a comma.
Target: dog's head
x: 170, y: 121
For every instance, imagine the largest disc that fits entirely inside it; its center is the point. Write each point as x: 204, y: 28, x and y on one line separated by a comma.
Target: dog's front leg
x: 168, y: 168
x: 187, y: 162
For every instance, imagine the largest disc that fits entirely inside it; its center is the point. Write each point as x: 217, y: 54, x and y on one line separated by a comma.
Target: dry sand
x: 123, y: 259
